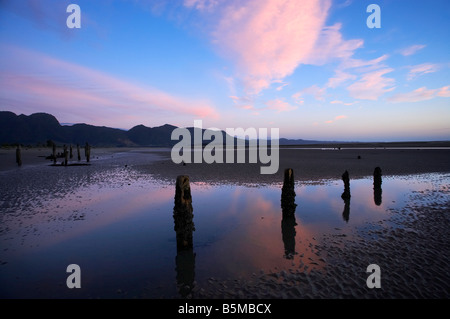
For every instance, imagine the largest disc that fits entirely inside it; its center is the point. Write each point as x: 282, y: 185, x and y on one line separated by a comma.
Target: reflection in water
x: 184, y: 227
x: 288, y: 207
x: 288, y: 233
x: 346, y: 196
x: 346, y: 212
x: 377, y: 186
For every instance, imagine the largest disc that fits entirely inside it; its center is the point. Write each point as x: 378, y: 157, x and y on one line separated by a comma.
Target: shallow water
x: 117, y: 225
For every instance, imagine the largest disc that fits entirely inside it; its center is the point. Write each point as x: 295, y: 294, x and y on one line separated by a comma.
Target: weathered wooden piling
x: 54, y: 153
x: 288, y: 194
x: 183, y: 213
x: 78, y: 152
x: 87, y: 152
x: 18, y: 156
x: 184, y: 227
x: 66, y: 155
x: 346, y: 179
x: 288, y: 207
x: 377, y: 181
x: 71, y: 153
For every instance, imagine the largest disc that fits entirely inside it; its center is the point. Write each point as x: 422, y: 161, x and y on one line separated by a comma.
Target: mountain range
x: 41, y: 128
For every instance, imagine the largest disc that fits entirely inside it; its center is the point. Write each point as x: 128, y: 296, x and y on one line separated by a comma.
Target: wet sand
x: 413, y: 256
x: 310, y: 165
x: 412, y: 247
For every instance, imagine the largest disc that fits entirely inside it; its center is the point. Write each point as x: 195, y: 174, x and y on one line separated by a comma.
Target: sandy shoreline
x: 413, y: 259
x: 308, y: 164
x: 412, y: 246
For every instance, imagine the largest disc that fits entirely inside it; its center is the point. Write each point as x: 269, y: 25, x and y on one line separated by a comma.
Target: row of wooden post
x: 183, y: 211
x: 67, y: 153
x: 87, y: 153
x: 184, y: 222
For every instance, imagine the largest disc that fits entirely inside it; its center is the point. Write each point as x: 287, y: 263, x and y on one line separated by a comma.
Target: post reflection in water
x: 346, y: 195
x: 346, y: 212
x: 288, y: 207
x: 184, y: 227
x: 377, y: 186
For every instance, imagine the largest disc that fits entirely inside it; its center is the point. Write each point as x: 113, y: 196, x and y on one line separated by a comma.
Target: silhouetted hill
x: 146, y: 136
x: 39, y: 128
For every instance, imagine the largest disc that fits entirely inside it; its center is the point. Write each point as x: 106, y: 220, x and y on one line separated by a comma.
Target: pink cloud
x: 337, y: 118
x: 421, y: 94
x: 340, y: 78
x: 444, y: 91
x: 343, y: 103
x: 89, y: 94
x: 280, y: 105
x: 372, y: 85
x: 421, y: 69
x: 268, y: 39
x: 330, y: 46
x: 281, y: 87
x: 202, y: 5
x: 314, y: 90
x: 412, y: 49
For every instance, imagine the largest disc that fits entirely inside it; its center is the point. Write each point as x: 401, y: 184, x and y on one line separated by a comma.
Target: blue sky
x: 311, y: 68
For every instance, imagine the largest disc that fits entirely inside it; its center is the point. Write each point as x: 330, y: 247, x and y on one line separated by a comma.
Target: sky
x: 314, y: 69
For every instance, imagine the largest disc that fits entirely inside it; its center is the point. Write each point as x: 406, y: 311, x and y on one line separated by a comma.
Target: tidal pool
x: 118, y: 226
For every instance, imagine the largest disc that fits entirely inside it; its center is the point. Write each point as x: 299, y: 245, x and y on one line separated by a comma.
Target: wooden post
x: 54, y: 153
x: 184, y: 227
x: 183, y: 213
x: 71, y: 153
x: 87, y: 151
x: 78, y: 152
x: 288, y: 194
x: 346, y: 179
x: 18, y: 155
x: 66, y: 155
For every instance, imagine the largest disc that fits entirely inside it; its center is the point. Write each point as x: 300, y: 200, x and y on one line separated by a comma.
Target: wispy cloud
x: 280, y: 105
x: 421, y: 69
x: 343, y: 103
x: 202, y: 5
x: 281, y: 86
x: 268, y: 39
x: 365, y: 77
x: 412, y: 49
x: 46, y: 84
x: 337, y: 118
x: 314, y: 90
x: 372, y: 85
x: 340, y: 78
x: 421, y: 94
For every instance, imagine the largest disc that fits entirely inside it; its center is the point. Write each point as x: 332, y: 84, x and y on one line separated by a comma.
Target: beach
x: 410, y: 243
x: 311, y: 164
